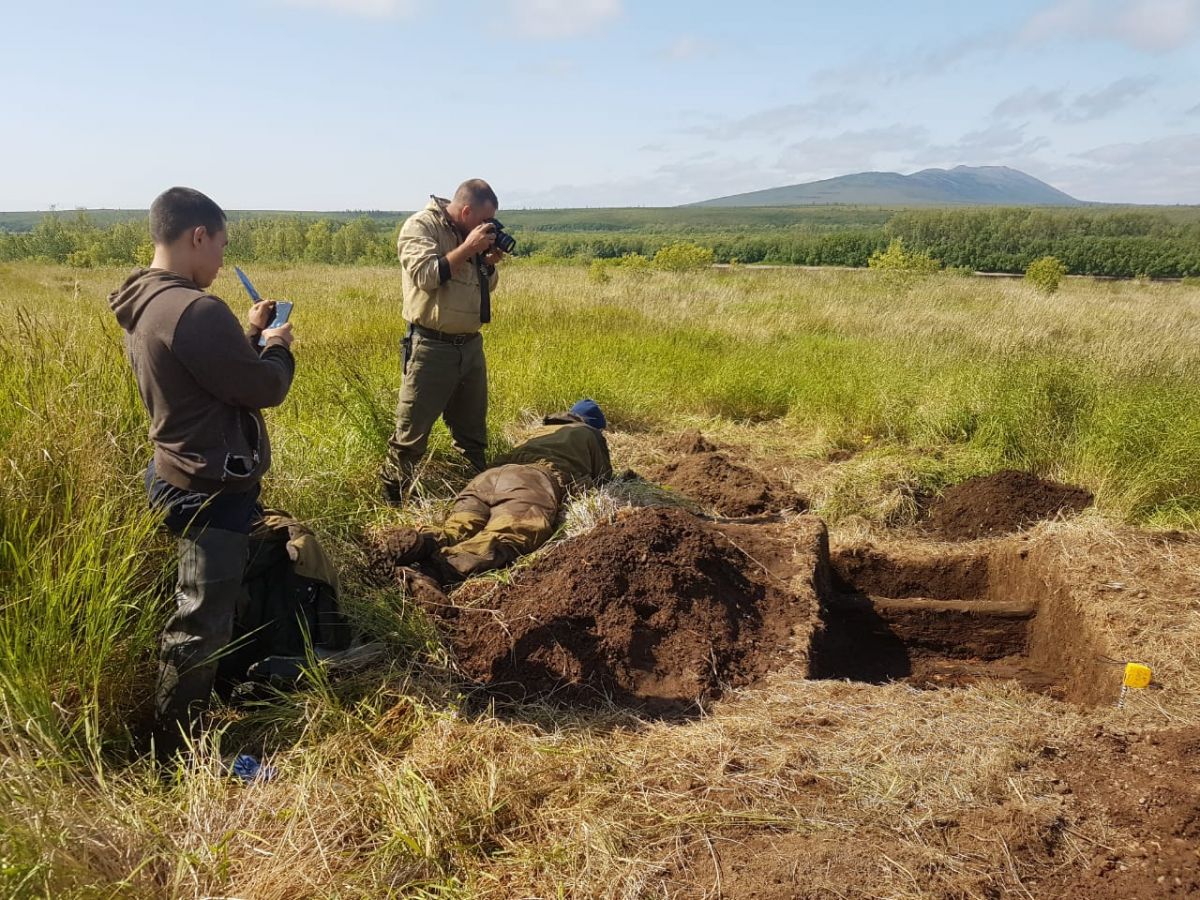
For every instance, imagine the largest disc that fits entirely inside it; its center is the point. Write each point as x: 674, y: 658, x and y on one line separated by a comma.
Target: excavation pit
x: 938, y: 619
x: 663, y: 611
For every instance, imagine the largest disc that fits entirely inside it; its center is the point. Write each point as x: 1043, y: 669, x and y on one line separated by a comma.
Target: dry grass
x: 402, y: 783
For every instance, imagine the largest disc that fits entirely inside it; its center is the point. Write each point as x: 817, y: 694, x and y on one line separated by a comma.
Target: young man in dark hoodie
x: 203, y: 382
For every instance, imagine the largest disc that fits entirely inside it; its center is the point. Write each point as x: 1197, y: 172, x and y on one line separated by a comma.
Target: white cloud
x: 1152, y: 26
x: 880, y: 67
x: 1099, y: 103
x: 377, y: 9
x: 1163, y: 170
x: 853, y: 151
x: 1028, y: 102
x: 986, y: 146
x: 686, y: 181
x: 1082, y: 108
x: 689, y: 47
x: 550, y: 19
x: 1194, y: 111
x: 821, y: 111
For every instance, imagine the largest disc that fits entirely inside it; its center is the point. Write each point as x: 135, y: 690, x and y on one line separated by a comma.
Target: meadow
x: 882, y: 389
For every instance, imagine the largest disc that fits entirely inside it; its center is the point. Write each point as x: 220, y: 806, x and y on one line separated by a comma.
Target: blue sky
x: 374, y: 104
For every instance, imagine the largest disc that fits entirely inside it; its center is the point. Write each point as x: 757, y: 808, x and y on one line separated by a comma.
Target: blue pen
x: 249, y: 287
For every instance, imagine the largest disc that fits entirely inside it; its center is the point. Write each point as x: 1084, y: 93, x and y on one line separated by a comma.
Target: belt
x: 434, y: 335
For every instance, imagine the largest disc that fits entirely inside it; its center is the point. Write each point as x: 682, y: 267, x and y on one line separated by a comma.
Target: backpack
x: 289, y: 609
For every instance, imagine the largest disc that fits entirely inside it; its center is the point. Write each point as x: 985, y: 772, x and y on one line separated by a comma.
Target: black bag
x: 290, y: 602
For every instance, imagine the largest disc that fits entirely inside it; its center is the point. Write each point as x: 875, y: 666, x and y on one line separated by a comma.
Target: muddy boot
x: 421, y: 586
x: 211, y: 567
x: 390, y: 550
x: 438, y: 567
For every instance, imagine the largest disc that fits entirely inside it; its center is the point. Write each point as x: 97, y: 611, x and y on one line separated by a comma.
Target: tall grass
x: 927, y: 380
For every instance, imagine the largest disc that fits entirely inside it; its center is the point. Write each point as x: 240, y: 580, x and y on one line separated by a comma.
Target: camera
x: 505, y: 241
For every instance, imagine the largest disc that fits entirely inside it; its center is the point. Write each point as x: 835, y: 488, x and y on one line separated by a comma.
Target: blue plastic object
x: 249, y: 770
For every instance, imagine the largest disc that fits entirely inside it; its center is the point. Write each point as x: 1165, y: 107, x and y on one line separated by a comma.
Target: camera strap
x: 485, y: 291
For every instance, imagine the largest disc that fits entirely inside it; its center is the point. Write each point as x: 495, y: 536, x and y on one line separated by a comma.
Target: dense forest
x: 1125, y: 242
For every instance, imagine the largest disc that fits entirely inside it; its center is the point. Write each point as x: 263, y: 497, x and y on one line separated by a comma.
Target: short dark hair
x: 475, y: 192
x: 181, y: 209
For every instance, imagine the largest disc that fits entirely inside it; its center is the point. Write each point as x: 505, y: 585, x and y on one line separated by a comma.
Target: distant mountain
x: 962, y: 185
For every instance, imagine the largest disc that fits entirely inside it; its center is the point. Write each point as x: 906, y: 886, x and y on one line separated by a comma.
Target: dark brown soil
x: 1001, y: 503
x: 689, y: 442
x: 1147, y: 785
x: 659, y: 610
x: 713, y: 481
x: 944, y: 576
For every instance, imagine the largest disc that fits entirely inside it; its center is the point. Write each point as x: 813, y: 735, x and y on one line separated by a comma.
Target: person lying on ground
x: 510, y: 509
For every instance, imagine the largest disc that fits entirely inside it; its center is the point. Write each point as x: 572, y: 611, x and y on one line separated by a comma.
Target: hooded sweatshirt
x: 202, y: 380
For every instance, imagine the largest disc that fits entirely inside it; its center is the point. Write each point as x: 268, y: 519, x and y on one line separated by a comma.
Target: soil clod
x: 689, y: 442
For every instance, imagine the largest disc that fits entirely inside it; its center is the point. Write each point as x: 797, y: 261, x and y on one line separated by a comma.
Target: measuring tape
x: 1137, y: 677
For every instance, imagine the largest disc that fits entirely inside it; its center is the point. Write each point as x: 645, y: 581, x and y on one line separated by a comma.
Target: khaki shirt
x: 577, y: 452
x: 451, y: 306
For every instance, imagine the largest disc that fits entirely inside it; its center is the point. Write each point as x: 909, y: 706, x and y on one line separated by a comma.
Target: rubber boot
x: 211, y: 567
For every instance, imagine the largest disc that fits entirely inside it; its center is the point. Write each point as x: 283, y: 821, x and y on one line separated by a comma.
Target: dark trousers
x: 444, y: 379
x: 213, y: 537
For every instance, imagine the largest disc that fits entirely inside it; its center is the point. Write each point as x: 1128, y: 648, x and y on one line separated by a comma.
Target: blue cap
x: 591, y: 413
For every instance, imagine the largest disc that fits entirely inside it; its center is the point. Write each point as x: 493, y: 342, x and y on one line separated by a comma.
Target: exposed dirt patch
x: 1001, y: 503
x: 756, y: 865
x: 728, y: 488
x: 659, y: 610
x: 868, y: 863
x: 1147, y: 785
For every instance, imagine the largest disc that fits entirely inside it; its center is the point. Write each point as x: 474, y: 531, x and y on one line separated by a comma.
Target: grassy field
x: 392, y: 788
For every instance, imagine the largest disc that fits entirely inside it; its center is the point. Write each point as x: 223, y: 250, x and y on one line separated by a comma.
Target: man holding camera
x: 448, y: 254
x: 204, y: 383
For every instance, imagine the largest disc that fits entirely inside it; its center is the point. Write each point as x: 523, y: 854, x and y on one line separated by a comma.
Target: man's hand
x: 283, y: 333
x: 480, y: 240
x: 493, y: 256
x: 261, y: 314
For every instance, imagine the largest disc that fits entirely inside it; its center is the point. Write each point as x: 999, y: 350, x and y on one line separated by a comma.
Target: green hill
x: 962, y: 185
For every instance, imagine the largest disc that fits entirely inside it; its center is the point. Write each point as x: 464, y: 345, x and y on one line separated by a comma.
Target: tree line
x: 994, y: 239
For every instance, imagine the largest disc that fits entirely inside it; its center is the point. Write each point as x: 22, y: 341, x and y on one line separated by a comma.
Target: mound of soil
x: 689, y: 442
x: 715, y: 482
x: 1001, y: 503
x: 658, y: 610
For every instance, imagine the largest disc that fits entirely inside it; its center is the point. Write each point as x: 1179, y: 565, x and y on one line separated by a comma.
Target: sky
x: 375, y: 104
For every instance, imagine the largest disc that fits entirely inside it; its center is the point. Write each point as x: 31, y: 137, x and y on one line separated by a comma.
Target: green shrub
x: 898, y: 260
x: 683, y: 257
x: 1046, y: 274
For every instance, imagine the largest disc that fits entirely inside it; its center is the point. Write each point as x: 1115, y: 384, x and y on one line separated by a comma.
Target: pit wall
x: 1061, y: 642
